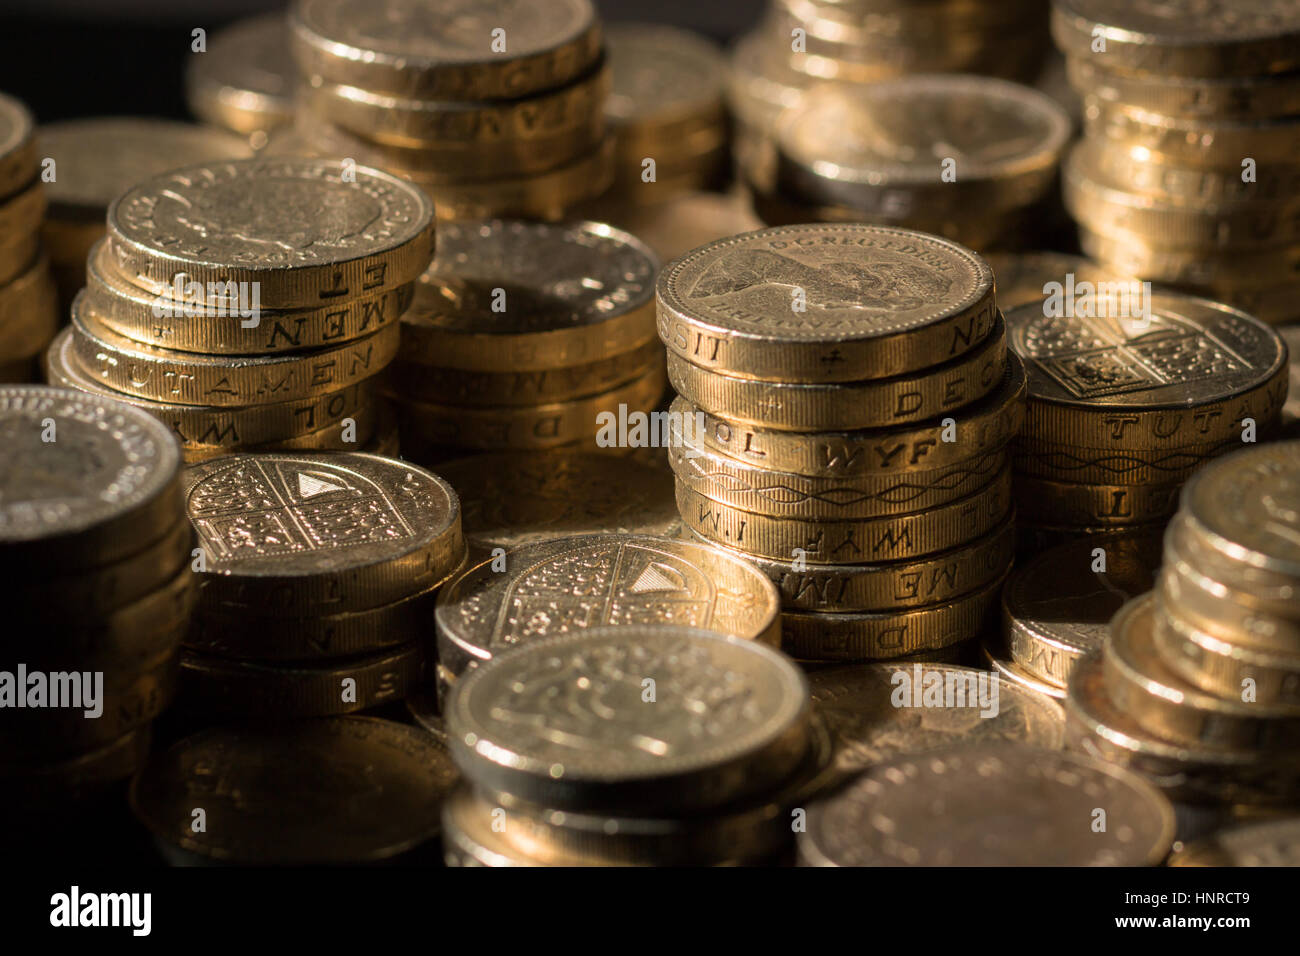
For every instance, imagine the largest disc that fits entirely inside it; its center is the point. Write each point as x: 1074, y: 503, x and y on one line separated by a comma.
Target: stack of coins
x: 319, y: 574
x: 244, y: 79
x: 29, y: 310
x: 1130, y: 390
x: 962, y: 156
x: 495, y: 109
x: 250, y: 304
x: 1197, y: 683
x: 1188, y: 173
x: 846, y: 400
x: 629, y: 746
x: 96, y: 552
x: 96, y: 160
x: 524, y: 336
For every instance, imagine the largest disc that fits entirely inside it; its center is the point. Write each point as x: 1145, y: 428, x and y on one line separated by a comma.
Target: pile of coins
x: 1188, y: 173
x: 29, y: 310
x: 319, y: 575
x: 95, y: 551
x: 966, y: 157
x: 1131, y: 390
x: 629, y: 745
x: 496, y: 110
x: 251, y: 303
x: 1196, y: 685
x: 523, y: 336
x: 845, y: 403
x: 244, y: 79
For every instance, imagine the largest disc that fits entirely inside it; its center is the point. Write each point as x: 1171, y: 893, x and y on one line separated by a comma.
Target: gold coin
x: 555, y: 586
x: 1224, y: 269
x: 29, y: 312
x: 17, y: 253
x: 75, y: 780
x: 1092, y: 506
x: 353, y: 433
x: 19, y: 162
x: 825, y: 303
x: 1223, y: 668
x: 1192, y: 142
x: 999, y: 659
x: 874, y: 541
x: 1268, y: 843
x: 1114, y: 466
x: 245, y: 78
x: 23, y: 211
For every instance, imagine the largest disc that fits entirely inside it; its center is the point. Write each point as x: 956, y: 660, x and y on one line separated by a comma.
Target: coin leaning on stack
x: 29, y: 309
x: 522, y: 334
x: 497, y: 111
x: 845, y: 403
x: 548, y: 738
x: 1129, y: 392
x: 224, y: 303
x: 245, y: 79
x: 1187, y: 173
x: 319, y: 577
x: 1196, y: 685
x: 96, y: 551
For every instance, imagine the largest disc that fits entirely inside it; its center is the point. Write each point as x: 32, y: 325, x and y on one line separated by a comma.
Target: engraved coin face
x: 569, y: 584
x: 335, y: 790
x: 630, y: 713
x: 875, y: 711
x: 514, y: 499
x: 660, y: 72
x: 990, y: 805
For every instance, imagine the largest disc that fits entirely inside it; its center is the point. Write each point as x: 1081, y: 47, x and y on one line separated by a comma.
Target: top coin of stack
x: 495, y: 108
x: 1197, y: 683
x: 250, y: 303
x: 845, y: 405
x: 244, y: 80
x: 1188, y: 172
x: 29, y: 311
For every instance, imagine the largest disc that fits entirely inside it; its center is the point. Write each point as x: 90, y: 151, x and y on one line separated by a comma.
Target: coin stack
x: 244, y: 79
x: 845, y: 403
x: 495, y: 110
x: 1130, y: 390
x: 1187, y: 173
x: 319, y: 574
x: 522, y: 335
x: 1197, y: 684
x: 29, y: 311
x: 553, y: 742
x: 95, y: 551
x: 172, y: 319
x: 967, y: 157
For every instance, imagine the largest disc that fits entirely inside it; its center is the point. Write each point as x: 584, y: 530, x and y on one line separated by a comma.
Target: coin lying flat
x: 245, y: 79
x: 338, y: 790
x: 295, y: 533
x: 825, y: 303
x: 1270, y: 843
x: 571, y: 722
x: 944, y: 808
x: 552, y: 587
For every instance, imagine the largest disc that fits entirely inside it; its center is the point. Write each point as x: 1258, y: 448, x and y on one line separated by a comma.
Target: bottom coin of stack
x: 1196, y: 684
x: 319, y: 576
x: 629, y: 745
x: 95, y: 548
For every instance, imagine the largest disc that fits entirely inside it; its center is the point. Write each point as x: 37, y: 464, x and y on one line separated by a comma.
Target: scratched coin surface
x: 335, y: 790
x: 513, y: 499
x: 951, y: 807
x: 567, y: 721
x: 320, y: 533
x: 875, y: 711
x: 825, y: 303
x: 568, y: 584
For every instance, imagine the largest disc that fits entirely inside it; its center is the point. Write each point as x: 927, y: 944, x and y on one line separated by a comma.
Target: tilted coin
x: 1225, y: 668
x: 338, y: 790
x: 85, y: 480
x: 1270, y: 843
x: 509, y: 500
x: 976, y: 428
x: 942, y: 809
x: 563, y: 721
x: 835, y: 406
x: 245, y: 79
x: 18, y: 154
x: 294, y: 533
x: 1178, y: 371
x: 96, y: 160
x: 448, y: 49
x: 306, y: 230
x: 556, y: 586
x: 1030, y: 277
x: 825, y: 303
x: 1092, y: 505
x: 1058, y: 606
x: 508, y: 295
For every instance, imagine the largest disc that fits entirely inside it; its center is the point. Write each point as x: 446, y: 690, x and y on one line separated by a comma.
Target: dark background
x: 70, y: 58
